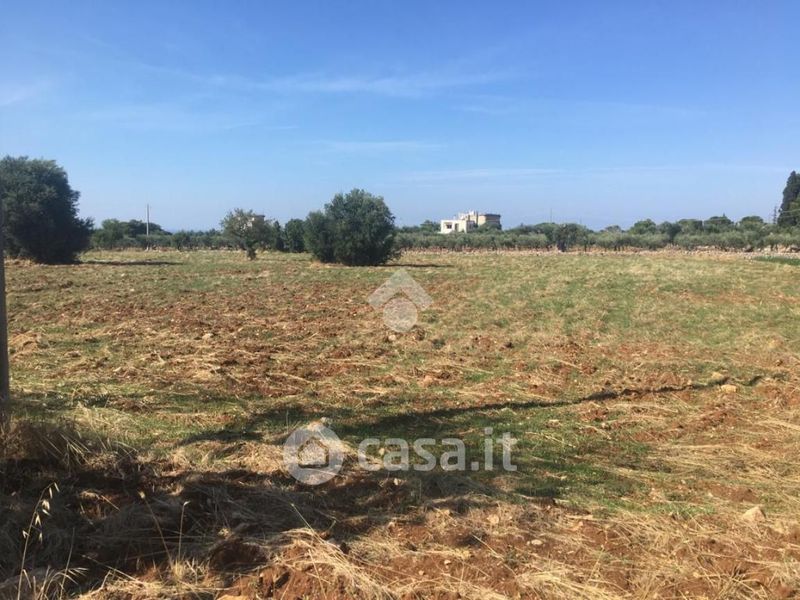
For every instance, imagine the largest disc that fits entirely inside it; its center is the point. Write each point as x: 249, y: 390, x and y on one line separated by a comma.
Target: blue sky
x: 599, y: 112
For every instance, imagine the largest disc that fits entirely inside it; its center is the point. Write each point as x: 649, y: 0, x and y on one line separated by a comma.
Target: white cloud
x: 516, y: 176
x: 574, y: 108
x: 414, y: 85
x: 176, y: 118
x: 403, y: 85
x: 483, y: 174
x: 377, y: 146
x: 15, y: 93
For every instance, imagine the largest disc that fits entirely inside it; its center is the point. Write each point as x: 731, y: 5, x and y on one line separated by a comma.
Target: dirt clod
x: 754, y: 515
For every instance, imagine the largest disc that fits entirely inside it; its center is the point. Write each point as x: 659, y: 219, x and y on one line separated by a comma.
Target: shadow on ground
x: 129, y: 263
x: 98, y: 508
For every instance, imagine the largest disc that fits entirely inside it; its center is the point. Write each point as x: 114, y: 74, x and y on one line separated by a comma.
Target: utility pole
x: 5, y: 395
x: 147, y: 227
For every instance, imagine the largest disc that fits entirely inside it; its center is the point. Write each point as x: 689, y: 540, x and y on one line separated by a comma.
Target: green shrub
x: 40, y: 211
x: 249, y: 231
x: 293, y: 235
x: 354, y: 229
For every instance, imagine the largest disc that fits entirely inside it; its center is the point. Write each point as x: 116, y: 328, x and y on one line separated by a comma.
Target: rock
x: 234, y: 552
x: 208, y: 336
x: 783, y: 591
x: 717, y: 377
x: 754, y: 515
x: 728, y: 388
x: 428, y: 381
x: 794, y: 533
x: 30, y: 586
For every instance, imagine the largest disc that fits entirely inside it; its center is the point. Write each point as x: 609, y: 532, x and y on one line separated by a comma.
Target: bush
x: 353, y: 229
x: 293, y: 233
x: 786, y: 238
x: 110, y: 235
x: 318, y: 236
x: 571, y: 234
x: 249, y: 231
x: 40, y: 212
x: 182, y: 240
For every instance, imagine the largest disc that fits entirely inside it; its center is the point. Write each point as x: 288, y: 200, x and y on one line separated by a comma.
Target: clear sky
x: 603, y: 112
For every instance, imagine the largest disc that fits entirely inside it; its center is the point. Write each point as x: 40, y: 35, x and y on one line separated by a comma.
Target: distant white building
x: 468, y: 221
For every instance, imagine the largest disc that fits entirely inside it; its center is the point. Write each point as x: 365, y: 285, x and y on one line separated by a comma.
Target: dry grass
x: 655, y: 398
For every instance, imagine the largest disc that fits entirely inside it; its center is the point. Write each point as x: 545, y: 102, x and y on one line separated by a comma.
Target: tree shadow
x: 402, y: 265
x: 117, y: 512
x: 544, y: 470
x: 114, y: 512
x: 129, y: 263
x: 251, y: 427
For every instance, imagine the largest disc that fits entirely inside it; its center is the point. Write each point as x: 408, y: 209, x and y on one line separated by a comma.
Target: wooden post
x: 5, y: 395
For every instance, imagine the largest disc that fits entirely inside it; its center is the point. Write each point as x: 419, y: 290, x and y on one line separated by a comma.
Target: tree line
x: 41, y: 223
x: 356, y: 228
x: 748, y: 234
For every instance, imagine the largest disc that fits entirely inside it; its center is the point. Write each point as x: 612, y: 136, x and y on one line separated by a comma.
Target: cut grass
x: 781, y: 260
x: 200, y: 363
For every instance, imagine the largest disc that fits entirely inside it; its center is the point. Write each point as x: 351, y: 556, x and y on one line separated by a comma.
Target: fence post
x: 5, y: 396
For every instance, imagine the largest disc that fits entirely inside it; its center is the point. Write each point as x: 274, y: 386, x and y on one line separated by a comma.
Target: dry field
x: 655, y: 399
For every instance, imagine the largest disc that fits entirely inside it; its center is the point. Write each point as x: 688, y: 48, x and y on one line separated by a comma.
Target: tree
x: 248, y: 230
x: 429, y: 227
x: 110, y: 235
x: 293, y: 234
x: 571, y: 234
x: 789, y: 215
x: 40, y: 211
x: 276, y: 241
x: 521, y: 229
x: 549, y: 230
x: 489, y: 227
x: 356, y: 229
x: 751, y: 223
x: 643, y: 227
x: 691, y: 225
x: 114, y: 233
x: 136, y: 228
x: 181, y: 240
x: 318, y: 236
x: 669, y: 229
x: 718, y: 224
x: 5, y: 394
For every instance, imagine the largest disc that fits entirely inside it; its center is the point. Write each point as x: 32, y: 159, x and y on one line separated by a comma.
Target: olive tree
x: 356, y: 228
x: 248, y: 230
x: 40, y: 211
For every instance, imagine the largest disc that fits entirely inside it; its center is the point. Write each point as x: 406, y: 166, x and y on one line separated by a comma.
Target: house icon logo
x: 313, y: 454
x: 401, y: 298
